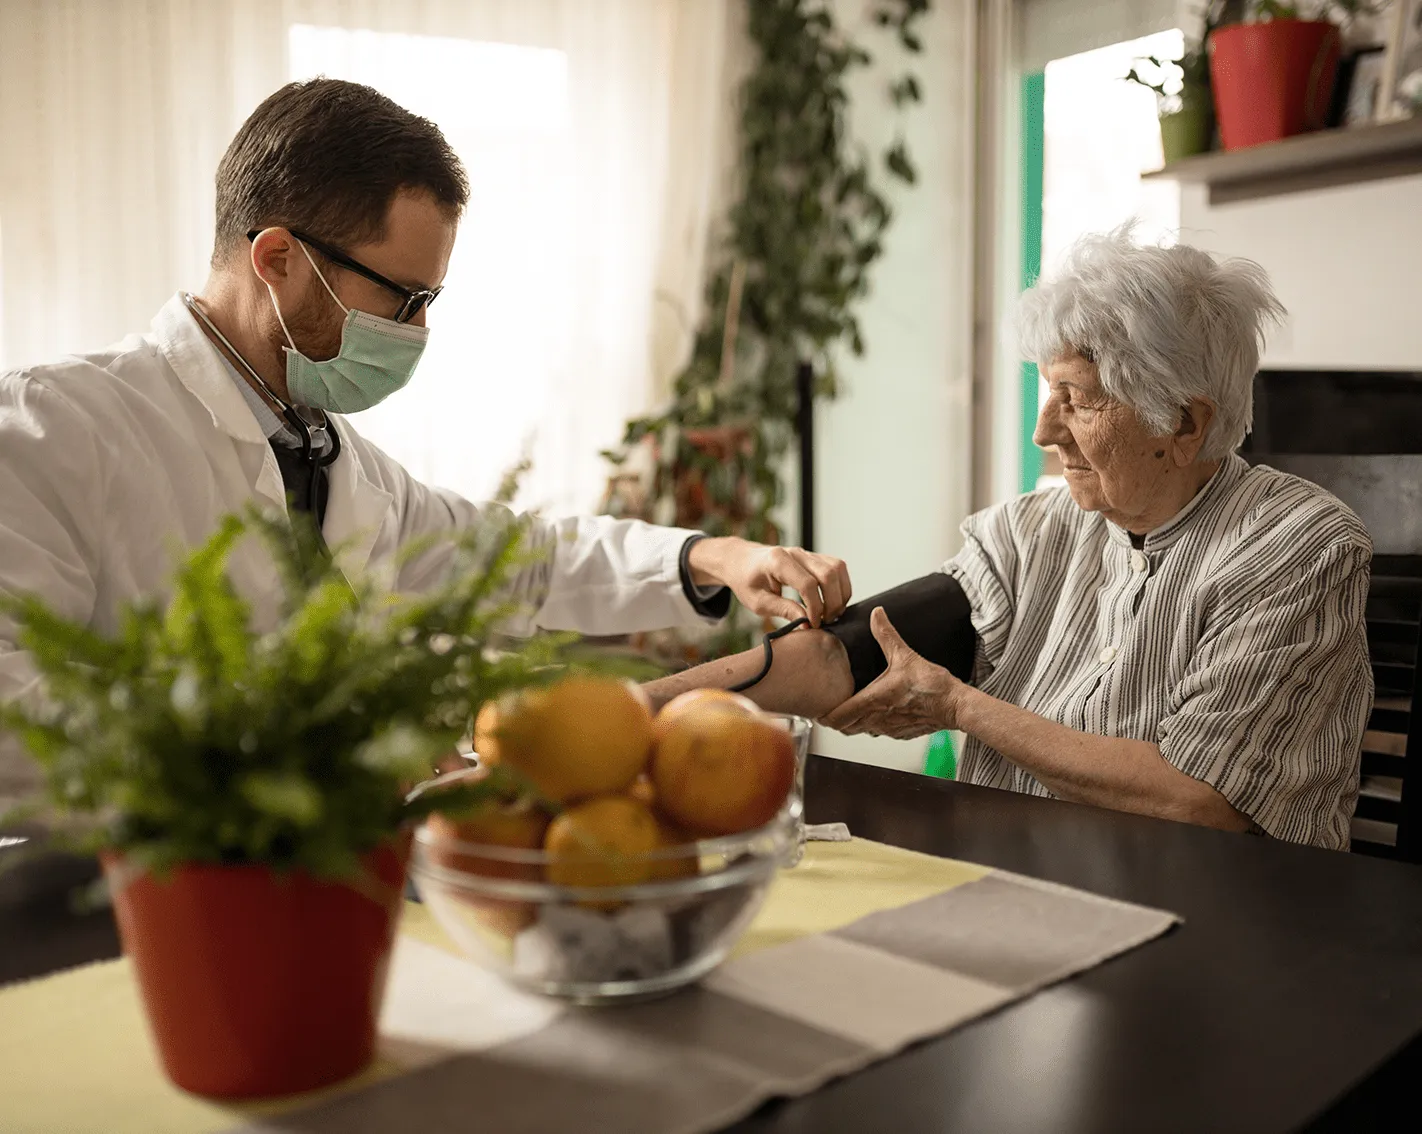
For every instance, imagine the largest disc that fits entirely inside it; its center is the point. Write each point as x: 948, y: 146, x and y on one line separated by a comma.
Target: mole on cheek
x: 1159, y: 453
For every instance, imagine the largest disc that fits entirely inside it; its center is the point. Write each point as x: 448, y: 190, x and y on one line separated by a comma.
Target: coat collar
x: 356, y: 506
x: 199, y: 367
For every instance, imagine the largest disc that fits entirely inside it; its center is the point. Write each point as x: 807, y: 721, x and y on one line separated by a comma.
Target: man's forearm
x: 1127, y: 775
x: 810, y: 676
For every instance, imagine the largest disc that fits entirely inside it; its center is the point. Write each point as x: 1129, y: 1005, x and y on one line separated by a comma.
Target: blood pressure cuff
x: 931, y: 614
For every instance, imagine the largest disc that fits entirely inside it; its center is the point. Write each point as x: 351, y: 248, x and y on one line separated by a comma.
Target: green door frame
x: 940, y: 759
x: 1034, y: 88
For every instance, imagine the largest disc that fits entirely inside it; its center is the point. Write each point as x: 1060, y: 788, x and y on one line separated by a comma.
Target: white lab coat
x: 112, y: 464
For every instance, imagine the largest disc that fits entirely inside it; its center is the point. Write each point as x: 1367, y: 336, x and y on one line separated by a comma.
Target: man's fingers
x: 825, y: 582
x: 830, y: 578
x: 793, y: 573
x: 769, y: 605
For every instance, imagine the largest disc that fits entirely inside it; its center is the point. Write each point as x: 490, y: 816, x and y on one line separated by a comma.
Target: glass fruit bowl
x: 599, y: 944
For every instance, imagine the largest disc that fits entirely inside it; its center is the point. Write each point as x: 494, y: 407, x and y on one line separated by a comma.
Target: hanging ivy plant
x: 794, y: 265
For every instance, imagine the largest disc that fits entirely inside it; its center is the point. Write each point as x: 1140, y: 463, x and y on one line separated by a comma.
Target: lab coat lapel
x: 202, y: 372
x: 355, y: 509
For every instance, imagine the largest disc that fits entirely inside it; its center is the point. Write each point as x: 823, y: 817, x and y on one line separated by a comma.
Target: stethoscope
x: 309, y: 431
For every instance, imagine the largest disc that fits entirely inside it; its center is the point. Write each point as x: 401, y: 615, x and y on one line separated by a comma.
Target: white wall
x: 892, y: 453
x: 1346, y: 262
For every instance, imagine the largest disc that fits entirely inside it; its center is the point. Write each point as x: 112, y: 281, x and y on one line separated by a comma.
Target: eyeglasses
x: 415, y: 300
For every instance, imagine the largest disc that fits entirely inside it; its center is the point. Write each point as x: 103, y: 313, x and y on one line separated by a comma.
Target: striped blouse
x: 1233, y: 638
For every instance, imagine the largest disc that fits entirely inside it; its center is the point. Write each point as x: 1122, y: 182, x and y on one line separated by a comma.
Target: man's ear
x: 1195, y: 419
x: 275, y: 256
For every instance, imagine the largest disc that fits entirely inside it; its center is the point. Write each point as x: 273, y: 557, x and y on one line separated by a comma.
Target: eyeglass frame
x: 415, y: 299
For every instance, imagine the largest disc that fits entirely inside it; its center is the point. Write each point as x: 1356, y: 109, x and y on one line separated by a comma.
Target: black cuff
x: 718, y: 605
x: 931, y: 614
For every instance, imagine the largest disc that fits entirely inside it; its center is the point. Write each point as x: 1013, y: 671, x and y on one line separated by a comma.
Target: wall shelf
x: 1310, y: 161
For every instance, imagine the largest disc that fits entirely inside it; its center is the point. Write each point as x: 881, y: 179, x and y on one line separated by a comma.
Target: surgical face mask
x: 377, y: 357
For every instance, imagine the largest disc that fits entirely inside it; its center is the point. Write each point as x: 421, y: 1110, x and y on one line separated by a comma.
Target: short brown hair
x: 327, y: 157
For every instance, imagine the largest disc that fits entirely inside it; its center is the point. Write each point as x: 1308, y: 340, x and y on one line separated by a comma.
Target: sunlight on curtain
x: 595, y: 136
x: 500, y: 329
x: 113, y: 116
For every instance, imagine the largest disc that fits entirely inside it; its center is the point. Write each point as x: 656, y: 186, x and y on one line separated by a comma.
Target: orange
x: 684, y: 865
x: 517, y: 825
x: 720, y: 773
x: 602, y: 842
x: 643, y: 791
x: 702, y: 699
x: 581, y: 737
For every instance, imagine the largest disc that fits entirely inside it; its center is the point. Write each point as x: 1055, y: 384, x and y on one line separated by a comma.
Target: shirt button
x: 1108, y: 655
x: 1138, y: 561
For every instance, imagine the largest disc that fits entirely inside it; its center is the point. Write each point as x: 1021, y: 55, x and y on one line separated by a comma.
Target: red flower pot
x: 256, y: 983
x: 1272, y: 80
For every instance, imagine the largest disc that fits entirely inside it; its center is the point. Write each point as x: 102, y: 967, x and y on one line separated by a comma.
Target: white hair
x: 1162, y: 325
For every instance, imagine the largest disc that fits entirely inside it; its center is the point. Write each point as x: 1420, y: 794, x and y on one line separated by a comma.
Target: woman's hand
x: 912, y: 698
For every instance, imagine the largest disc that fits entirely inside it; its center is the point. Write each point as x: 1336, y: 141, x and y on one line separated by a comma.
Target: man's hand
x: 757, y: 574
x: 913, y: 697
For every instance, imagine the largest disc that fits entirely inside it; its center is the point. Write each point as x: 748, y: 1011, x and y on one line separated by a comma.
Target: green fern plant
x: 192, y: 736
x: 795, y: 260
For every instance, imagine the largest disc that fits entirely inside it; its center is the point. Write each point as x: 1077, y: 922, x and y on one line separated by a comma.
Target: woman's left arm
x: 914, y: 697
x: 1106, y: 771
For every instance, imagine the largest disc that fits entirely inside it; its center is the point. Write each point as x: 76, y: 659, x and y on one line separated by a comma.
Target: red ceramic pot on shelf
x: 1272, y: 80
x: 257, y: 983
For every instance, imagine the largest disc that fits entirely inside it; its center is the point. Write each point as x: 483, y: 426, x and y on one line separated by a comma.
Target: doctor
x: 336, y: 215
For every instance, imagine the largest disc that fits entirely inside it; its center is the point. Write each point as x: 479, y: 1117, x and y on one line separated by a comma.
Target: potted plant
x: 245, y: 787
x: 1182, y: 89
x: 1273, y: 74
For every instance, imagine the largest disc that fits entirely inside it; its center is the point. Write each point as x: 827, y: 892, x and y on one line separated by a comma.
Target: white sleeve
x: 598, y: 575
x: 49, y: 519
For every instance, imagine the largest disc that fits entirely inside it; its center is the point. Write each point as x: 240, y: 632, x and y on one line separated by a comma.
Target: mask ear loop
x: 346, y: 310
x: 302, y: 427
x: 769, y: 655
x: 271, y: 291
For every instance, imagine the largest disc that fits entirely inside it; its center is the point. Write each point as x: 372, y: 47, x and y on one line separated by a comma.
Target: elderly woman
x: 1173, y: 633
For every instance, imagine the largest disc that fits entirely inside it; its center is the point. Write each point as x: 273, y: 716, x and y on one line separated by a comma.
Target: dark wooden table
x: 1291, y: 998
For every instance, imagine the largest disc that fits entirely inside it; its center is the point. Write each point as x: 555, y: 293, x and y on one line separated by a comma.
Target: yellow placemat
x: 838, y: 883
x: 75, y: 1054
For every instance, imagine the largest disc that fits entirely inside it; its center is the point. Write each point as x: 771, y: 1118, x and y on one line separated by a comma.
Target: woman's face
x: 1112, y: 462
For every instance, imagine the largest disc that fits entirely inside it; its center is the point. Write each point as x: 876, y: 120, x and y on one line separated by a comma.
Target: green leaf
x: 190, y: 737
x: 898, y: 163
x: 905, y: 90
x: 282, y: 796
x: 806, y: 224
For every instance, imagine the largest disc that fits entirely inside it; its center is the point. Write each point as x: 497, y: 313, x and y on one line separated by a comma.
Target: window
x: 1101, y: 133
x: 499, y: 346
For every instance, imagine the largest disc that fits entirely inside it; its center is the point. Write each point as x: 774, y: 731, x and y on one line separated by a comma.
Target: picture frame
x: 1362, y: 103
x: 1400, y: 90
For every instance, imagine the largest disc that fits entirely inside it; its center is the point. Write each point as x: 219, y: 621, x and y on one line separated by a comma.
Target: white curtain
x: 113, y: 115
x: 594, y: 132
